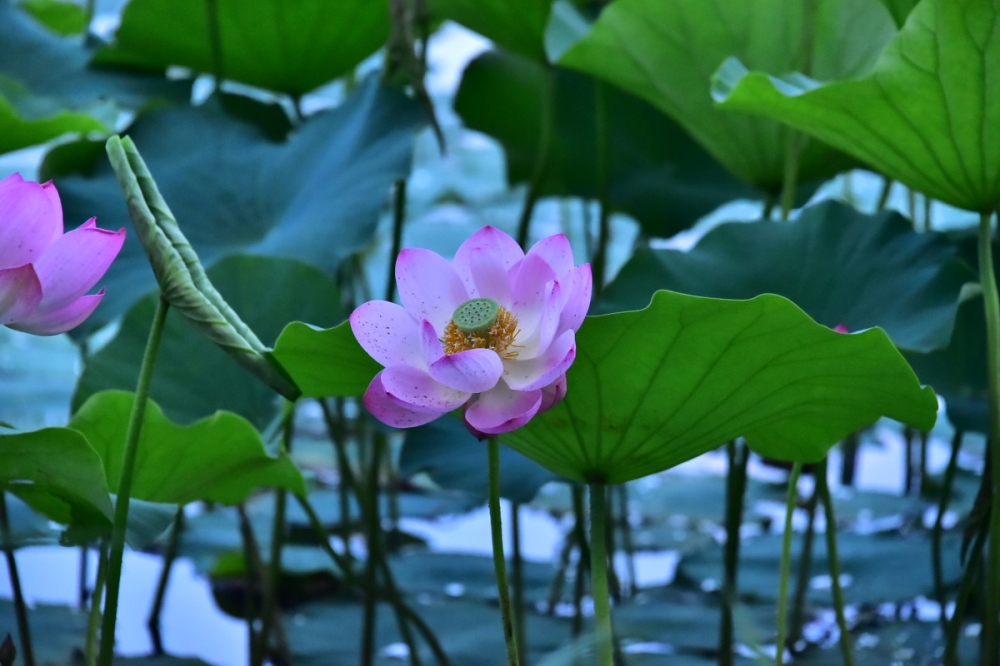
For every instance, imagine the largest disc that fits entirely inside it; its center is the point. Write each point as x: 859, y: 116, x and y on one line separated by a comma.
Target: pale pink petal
x: 534, y: 342
x: 544, y: 369
x: 577, y: 286
x: 553, y: 394
x: 73, y: 263
x: 840, y: 328
x: 394, y: 412
x: 503, y: 249
x: 501, y: 410
x: 531, y: 291
x: 20, y: 293
x: 557, y: 252
x: 30, y: 219
x: 472, y: 371
x: 430, y: 343
x: 428, y: 286
x: 388, y: 333
x: 490, y: 277
x: 418, y: 390
x: 61, y: 319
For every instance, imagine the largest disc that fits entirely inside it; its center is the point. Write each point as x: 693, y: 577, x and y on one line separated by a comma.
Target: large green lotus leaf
x: 59, y: 16
x: 654, y: 388
x: 517, y: 25
x: 58, y: 474
x: 455, y: 460
x: 292, y: 47
x: 324, y: 363
x: 839, y: 265
x: 218, y: 459
x: 656, y: 172
x: 928, y: 115
x: 666, y: 51
x: 315, y: 198
x: 194, y: 377
x: 900, y: 9
x: 27, y: 526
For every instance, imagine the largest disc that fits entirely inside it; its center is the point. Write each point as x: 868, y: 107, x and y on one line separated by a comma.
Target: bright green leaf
x: 928, y: 115
x: 839, y: 265
x: 517, y: 25
x: 23, y: 127
x: 900, y: 9
x: 59, y: 16
x: 194, y: 377
x: 316, y: 197
x: 58, y: 474
x: 655, y: 388
x: 666, y: 51
x: 325, y: 363
x: 657, y: 173
x: 218, y: 459
x: 291, y: 47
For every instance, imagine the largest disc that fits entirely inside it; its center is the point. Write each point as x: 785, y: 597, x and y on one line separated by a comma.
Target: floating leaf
x: 928, y: 114
x: 290, y: 47
x: 218, y: 459
x: 654, y: 388
x: 666, y: 51
x: 839, y: 265
x: 315, y: 198
x: 325, y: 363
x: 656, y: 172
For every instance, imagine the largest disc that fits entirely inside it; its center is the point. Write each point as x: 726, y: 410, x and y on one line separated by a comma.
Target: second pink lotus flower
x: 45, y: 274
x: 493, y: 331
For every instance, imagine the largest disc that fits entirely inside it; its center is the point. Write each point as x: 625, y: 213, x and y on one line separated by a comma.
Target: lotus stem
x: 125, y: 484
x: 538, y: 174
x: 736, y: 483
x: 938, y: 529
x: 805, y: 567
x: 965, y: 590
x: 786, y: 564
x: 987, y: 279
x: 793, y: 152
x: 153, y: 622
x: 398, y: 217
x: 627, y: 544
x: 583, y: 562
x: 20, y: 608
x: 517, y: 579
x: 883, y: 197
x: 96, y: 597
x: 823, y: 489
x: 599, y: 574
x: 600, y: 267
x: 373, y: 535
x: 499, y: 564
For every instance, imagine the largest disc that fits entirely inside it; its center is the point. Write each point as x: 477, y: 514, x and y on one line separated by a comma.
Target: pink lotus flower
x: 44, y: 273
x: 493, y: 331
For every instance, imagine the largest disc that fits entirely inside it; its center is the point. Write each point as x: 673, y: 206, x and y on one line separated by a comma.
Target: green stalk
x: 125, y: 484
x: 987, y: 279
x: 583, y: 562
x: 251, y: 581
x: 499, y: 563
x: 938, y: 531
x: 153, y: 622
x: 398, y: 217
x: 736, y: 483
x: 601, y: 256
x: 346, y: 483
x: 823, y: 488
x: 96, y: 597
x: 965, y: 590
x: 20, y: 608
x: 883, y: 198
x: 627, y: 545
x: 373, y: 534
x: 599, y: 575
x: 541, y: 162
x: 786, y: 562
x: 791, y: 175
x: 268, y: 606
x: 517, y: 580
x: 805, y: 567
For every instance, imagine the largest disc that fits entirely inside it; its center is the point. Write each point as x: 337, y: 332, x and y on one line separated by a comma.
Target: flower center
x: 481, y: 324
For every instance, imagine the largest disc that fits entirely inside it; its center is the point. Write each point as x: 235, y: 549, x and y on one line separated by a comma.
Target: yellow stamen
x: 500, y: 338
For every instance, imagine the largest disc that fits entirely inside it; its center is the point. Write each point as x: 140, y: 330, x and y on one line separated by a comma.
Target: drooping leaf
x: 62, y: 17
x: 518, y: 26
x: 839, y: 265
x: 657, y: 173
x: 456, y: 460
x: 315, y: 198
x: 289, y: 47
x: 654, y: 388
x: 666, y: 51
x: 58, y: 474
x: 28, y: 121
x: 218, y: 459
x: 325, y: 363
x: 194, y: 378
x: 928, y: 114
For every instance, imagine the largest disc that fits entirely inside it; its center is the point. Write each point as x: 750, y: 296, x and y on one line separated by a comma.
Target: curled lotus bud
x: 492, y: 332
x: 45, y: 274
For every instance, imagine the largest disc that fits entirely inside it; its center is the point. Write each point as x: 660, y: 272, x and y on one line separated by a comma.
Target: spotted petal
x: 418, y: 390
x: 392, y: 411
x: 428, y: 286
x: 388, y: 333
x: 498, y: 246
x: 539, y: 372
x: 557, y: 253
x: 20, y: 293
x: 501, y: 410
x: 30, y: 219
x: 472, y: 371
